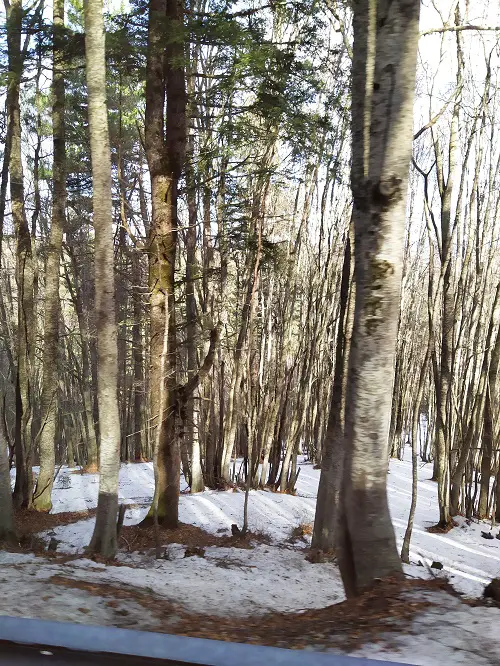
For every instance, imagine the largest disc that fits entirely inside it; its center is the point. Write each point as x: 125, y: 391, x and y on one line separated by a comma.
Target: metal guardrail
x: 169, y: 649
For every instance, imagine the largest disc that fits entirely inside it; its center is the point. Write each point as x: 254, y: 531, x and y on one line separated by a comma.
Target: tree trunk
x: 476, y: 411
x: 383, y: 81
x: 137, y: 355
x: 191, y: 435
x: 165, y: 160
x: 104, y: 540
x: 49, y: 403
x: 25, y: 272
x: 325, y: 519
x: 405, y: 549
x: 86, y: 384
x: 444, y: 381
x: 488, y: 431
x: 7, y: 527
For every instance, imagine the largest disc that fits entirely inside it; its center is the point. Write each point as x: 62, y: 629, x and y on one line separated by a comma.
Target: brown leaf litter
x: 388, y: 608
x: 30, y: 523
x: 143, y: 538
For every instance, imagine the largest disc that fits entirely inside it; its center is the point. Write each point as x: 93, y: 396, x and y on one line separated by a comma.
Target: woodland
x: 235, y: 236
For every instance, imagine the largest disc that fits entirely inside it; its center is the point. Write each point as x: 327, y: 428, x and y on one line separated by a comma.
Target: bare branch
x: 438, y: 115
x: 459, y: 28
x: 185, y: 391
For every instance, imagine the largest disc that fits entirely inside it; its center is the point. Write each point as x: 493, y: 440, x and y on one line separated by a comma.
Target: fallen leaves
x: 390, y: 607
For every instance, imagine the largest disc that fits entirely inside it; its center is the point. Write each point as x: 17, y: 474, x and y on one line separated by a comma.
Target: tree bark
x: 405, y: 549
x: 489, y: 429
x: 325, y: 519
x: 165, y: 75
x: 104, y: 540
x: 476, y: 410
x: 191, y: 435
x: 49, y: 399
x: 383, y: 81
x: 444, y: 380
x: 25, y: 272
x: 137, y: 356
x: 7, y: 526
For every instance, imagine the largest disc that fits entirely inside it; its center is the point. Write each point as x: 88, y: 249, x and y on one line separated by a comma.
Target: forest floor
x: 263, y: 588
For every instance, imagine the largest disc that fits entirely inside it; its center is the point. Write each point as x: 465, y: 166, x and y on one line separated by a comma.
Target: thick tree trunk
x: 383, y: 81
x: 165, y: 74
x: 104, y: 540
x: 49, y: 402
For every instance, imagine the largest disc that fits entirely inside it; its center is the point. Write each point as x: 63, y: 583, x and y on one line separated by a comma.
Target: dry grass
x: 90, y: 469
x: 316, y: 556
x: 302, y: 530
x: 300, y: 533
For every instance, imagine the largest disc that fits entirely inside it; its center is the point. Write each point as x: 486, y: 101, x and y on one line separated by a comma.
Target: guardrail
x: 179, y: 650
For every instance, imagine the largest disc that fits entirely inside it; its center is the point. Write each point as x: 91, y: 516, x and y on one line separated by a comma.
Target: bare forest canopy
x: 177, y: 229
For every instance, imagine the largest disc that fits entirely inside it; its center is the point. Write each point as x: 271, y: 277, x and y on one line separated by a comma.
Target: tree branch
x: 459, y: 28
x: 438, y: 115
x: 185, y: 391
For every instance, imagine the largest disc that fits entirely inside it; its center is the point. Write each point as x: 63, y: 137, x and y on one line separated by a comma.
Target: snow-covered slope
x: 468, y: 559
x: 231, y: 582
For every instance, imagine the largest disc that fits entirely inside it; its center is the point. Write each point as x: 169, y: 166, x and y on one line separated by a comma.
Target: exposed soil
x: 348, y: 624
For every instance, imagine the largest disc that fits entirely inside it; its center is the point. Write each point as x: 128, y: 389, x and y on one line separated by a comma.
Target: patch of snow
x: 28, y: 592
x: 447, y: 633
x: 268, y: 578
x: 227, y: 581
x: 231, y: 581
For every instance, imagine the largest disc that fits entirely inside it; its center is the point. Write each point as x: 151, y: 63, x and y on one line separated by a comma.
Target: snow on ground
x: 276, y: 577
x: 214, y: 511
x: 468, y: 559
x: 28, y: 592
x: 448, y: 634
x: 227, y: 581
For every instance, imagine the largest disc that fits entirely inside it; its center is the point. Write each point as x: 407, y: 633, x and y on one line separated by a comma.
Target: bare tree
x: 25, y: 269
x: 325, y: 519
x: 104, y: 539
x: 49, y: 402
x: 383, y: 81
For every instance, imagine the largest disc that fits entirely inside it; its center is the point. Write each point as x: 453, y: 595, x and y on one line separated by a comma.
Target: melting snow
x: 274, y: 577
